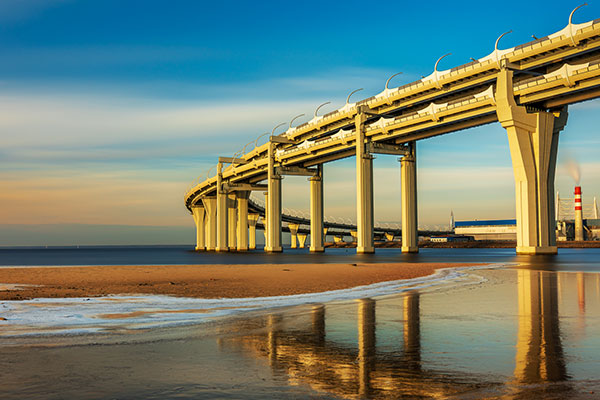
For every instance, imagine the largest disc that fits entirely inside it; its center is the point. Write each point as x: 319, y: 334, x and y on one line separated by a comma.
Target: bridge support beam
x: 198, y: 213
x: 273, y: 206
x: 302, y: 239
x: 242, y: 221
x: 231, y: 220
x: 294, y: 235
x: 316, y: 211
x: 408, y: 172
x: 210, y: 207
x: 533, y: 142
x: 252, y: 221
x: 221, y: 213
x: 364, y: 189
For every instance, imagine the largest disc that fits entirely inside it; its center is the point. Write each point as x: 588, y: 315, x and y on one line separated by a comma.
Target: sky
x: 109, y: 110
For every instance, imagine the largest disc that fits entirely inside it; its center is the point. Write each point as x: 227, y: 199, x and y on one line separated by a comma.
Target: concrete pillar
x: 198, y: 213
x: 265, y: 218
x: 294, y: 234
x: 317, y: 232
x: 533, y: 141
x: 252, y: 220
x: 364, y: 189
x: 232, y: 221
x: 408, y: 172
x: 210, y: 207
x: 242, y: 221
x: 366, y: 344
x: 302, y: 239
x: 273, y: 206
x: 221, y: 217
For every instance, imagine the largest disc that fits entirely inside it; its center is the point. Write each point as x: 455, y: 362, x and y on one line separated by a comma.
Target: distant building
x: 499, y: 229
x: 450, y: 238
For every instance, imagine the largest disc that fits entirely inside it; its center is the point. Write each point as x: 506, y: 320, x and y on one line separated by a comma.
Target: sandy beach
x: 201, y: 281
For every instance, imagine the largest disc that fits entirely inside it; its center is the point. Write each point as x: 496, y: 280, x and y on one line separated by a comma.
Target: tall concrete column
x: 316, y: 211
x: 273, y: 206
x: 252, y: 220
x: 198, y: 213
x: 221, y: 213
x: 533, y: 142
x: 266, y: 218
x: 210, y: 207
x: 294, y: 235
x: 364, y: 189
x: 408, y: 172
x: 242, y: 220
x: 232, y: 221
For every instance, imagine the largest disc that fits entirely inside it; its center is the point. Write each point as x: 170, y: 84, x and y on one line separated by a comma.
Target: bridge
x: 527, y: 89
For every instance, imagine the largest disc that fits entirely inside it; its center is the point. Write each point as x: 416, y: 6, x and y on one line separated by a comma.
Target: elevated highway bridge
x: 527, y: 89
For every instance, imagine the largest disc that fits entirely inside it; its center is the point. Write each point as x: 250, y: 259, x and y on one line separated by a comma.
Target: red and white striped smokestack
x: 578, y: 215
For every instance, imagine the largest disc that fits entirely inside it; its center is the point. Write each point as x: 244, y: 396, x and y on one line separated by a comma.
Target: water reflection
x: 539, y: 356
x: 313, y: 347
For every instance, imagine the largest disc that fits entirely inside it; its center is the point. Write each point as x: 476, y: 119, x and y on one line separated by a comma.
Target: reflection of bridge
x: 305, y: 353
x: 526, y: 88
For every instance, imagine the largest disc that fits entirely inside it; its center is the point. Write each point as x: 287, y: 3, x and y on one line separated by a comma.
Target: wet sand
x: 202, y: 281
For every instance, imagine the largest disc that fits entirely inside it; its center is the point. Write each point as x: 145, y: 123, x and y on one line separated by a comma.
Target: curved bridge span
x: 297, y: 226
x: 527, y: 89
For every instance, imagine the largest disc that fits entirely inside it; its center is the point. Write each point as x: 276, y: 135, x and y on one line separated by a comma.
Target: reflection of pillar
x: 316, y: 211
x: 408, y: 170
x: 412, y: 330
x: 198, y: 213
x: 252, y: 220
x: 366, y: 344
x: 272, y: 328
x: 210, y: 205
x: 293, y: 234
x: 364, y: 189
x: 581, y: 292
x: 232, y: 221
x: 318, y: 324
x: 533, y: 142
x: 539, y: 356
x: 242, y: 220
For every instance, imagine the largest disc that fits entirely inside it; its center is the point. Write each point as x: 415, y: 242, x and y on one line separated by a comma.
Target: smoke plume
x: 573, y: 169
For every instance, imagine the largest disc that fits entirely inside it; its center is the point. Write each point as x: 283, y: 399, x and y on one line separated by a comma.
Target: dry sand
x: 202, y: 281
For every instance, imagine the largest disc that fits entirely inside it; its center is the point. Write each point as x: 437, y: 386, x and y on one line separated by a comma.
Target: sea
x: 519, y: 327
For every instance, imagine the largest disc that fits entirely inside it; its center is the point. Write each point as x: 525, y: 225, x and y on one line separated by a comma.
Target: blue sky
x: 109, y: 109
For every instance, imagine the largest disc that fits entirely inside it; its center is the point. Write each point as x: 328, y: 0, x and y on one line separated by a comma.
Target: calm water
x: 520, y: 333
x: 575, y: 259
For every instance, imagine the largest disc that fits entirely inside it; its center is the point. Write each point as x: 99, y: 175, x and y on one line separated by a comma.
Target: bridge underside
x: 527, y: 89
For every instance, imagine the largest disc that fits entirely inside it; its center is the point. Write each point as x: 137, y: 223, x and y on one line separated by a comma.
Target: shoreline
x: 204, y: 281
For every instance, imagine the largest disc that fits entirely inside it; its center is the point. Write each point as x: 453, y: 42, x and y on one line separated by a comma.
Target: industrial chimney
x: 578, y: 215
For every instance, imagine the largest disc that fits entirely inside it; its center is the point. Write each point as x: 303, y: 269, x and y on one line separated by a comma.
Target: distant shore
x: 473, y: 244
x: 202, y: 281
